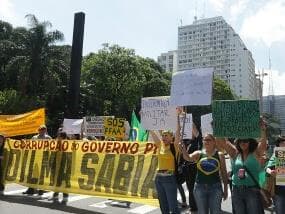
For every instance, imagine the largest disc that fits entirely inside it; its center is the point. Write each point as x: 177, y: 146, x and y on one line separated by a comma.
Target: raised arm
x: 177, y: 139
x: 189, y: 157
x: 261, y: 148
x: 226, y: 145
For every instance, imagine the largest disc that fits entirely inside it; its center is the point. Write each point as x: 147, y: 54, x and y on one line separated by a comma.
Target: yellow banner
x: 114, y: 128
x: 111, y: 169
x: 22, y: 124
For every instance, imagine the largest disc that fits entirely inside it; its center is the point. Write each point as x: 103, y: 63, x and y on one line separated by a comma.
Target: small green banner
x: 236, y: 119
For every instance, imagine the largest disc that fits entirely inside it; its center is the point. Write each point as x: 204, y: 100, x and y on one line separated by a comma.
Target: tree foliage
x: 115, y: 79
x: 34, y: 72
x: 33, y: 69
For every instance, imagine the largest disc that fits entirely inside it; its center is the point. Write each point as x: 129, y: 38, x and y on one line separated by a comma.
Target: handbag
x: 266, y: 198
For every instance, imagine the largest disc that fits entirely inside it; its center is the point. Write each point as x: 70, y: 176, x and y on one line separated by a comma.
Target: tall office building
x: 275, y: 105
x: 168, y: 61
x: 213, y: 43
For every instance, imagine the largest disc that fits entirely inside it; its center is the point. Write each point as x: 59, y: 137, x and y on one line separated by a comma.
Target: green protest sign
x: 236, y: 119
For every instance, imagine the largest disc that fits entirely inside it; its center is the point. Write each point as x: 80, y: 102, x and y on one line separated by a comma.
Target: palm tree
x: 40, y: 52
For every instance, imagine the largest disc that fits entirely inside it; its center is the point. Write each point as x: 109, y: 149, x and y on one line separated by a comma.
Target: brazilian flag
x: 137, y: 132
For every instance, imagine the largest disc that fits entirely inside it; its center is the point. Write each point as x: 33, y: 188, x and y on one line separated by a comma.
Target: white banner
x: 72, y: 126
x: 157, y: 114
x: 187, y: 126
x: 206, y: 126
x: 192, y: 87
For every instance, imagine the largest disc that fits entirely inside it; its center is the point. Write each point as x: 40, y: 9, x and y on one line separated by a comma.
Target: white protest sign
x: 192, y: 87
x: 280, y: 165
x: 187, y: 126
x: 206, y: 126
x: 157, y: 114
x: 94, y: 125
x: 72, y: 126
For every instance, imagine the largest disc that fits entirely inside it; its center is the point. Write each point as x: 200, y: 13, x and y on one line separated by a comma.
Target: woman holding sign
x: 279, y: 197
x: 165, y: 180
x: 246, y: 171
x: 208, y: 191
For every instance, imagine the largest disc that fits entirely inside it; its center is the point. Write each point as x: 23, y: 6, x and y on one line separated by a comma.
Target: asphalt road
x: 15, y: 202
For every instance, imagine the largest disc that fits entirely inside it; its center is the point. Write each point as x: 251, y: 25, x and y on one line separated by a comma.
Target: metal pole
x: 75, y: 66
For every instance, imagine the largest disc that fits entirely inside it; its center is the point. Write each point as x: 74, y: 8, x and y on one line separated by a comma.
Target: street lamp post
x: 261, y: 77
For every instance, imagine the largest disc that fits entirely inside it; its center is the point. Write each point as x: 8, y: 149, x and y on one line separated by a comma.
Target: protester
x: 279, y: 194
x: 245, y: 165
x: 165, y: 180
x: 208, y: 191
x: 2, y: 142
x: 61, y: 135
x: 191, y: 146
x: 42, y: 134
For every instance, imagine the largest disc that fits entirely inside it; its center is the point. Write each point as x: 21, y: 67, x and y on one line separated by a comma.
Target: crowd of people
x: 204, y: 170
x: 206, y: 173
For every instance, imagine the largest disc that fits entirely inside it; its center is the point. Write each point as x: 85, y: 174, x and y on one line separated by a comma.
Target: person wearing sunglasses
x: 246, y: 171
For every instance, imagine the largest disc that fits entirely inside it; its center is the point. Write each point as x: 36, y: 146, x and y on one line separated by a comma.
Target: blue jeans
x: 208, y: 198
x: 166, y: 188
x: 279, y: 202
x: 246, y: 200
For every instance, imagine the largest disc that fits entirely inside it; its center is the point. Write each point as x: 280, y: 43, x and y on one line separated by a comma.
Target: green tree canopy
x: 115, y: 79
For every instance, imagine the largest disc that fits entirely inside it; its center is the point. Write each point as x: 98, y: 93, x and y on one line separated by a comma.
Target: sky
x: 150, y: 27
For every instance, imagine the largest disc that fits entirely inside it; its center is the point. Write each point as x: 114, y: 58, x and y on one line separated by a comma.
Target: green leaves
x: 116, y: 79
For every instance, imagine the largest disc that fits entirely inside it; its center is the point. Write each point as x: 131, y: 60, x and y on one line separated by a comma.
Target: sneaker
x: 29, y: 191
x: 41, y: 192
x: 184, y: 205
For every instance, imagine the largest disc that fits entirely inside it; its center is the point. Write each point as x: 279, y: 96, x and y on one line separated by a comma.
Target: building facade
x: 213, y: 43
x: 275, y: 105
x: 168, y: 61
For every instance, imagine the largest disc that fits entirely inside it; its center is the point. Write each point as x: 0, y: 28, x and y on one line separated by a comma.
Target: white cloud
x: 238, y: 7
x: 8, y: 13
x: 267, y: 24
x: 6, y: 9
x: 218, y: 5
x: 278, y: 80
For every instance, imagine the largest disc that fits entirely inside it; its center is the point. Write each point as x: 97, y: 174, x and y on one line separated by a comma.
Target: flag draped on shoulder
x: 137, y: 132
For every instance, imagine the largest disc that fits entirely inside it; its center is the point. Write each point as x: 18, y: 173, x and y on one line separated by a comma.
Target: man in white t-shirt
x: 42, y: 134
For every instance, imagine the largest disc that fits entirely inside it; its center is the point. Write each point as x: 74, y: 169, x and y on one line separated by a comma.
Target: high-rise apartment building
x: 168, y: 61
x: 213, y: 43
x: 275, y: 105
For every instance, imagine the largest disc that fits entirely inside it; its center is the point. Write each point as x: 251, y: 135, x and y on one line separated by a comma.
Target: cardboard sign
x: 72, y: 126
x: 280, y: 165
x: 236, y: 119
x: 157, y: 114
x: 206, y: 126
x: 192, y: 87
x: 114, y: 128
x: 187, y: 126
x: 94, y: 125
